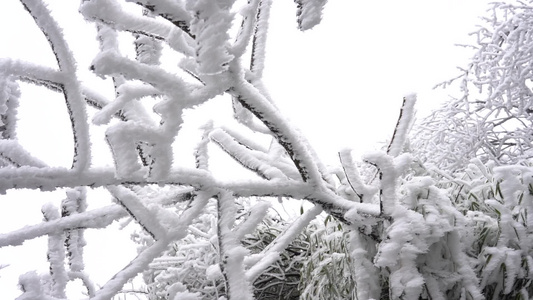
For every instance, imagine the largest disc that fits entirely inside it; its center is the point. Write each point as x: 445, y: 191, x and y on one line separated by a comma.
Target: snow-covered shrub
x: 491, y: 117
x: 193, y: 262
x: 417, y: 250
x: 420, y: 248
x: 281, y: 279
x: 327, y: 271
x: 462, y: 236
x: 413, y: 250
x: 506, y: 262
x: 479, y: 147
x: 190, y: 263
x: 496, y: 203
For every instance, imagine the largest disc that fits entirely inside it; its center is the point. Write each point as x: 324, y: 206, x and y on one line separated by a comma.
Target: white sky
x: 341, y: 83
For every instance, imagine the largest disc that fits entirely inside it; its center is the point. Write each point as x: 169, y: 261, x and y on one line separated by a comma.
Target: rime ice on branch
x: 150, y: 187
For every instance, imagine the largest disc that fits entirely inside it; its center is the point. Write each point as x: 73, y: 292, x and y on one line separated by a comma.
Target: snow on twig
x: 173, y: 11
x: 9, y: 102
x: 257, y: 61
x: 30, y: 284
x: 148, y: 219
x: 127, y: 92
x: 14, y: 154
x: 405, y: 121
x: 293, y: 142
x: 309, y: 13
x: 71, y: 89
x: 56, y: 255
x: 260, y: 262
x: 211, y: 25
x: 363, y: 191
x: 110, y: 12
x: 89, y: 285
x: 244, y: 35
x: 97, y: 218
x: 75, y: 203
x: 257, y: 213
x: 248, y: 158
x: 144, y: 258
x: 232, y: 253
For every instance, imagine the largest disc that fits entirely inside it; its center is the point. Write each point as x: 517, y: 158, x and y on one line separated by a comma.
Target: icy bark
x: 56, y: 255
x: 309, y: 13
x: 69, y: 83
x: 232, y: 254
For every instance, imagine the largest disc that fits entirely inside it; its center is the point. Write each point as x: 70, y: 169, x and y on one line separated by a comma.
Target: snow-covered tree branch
x: 382, y: 228
x: 210, y: 60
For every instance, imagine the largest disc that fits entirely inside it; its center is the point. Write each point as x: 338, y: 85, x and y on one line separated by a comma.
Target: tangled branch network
x: 214, y: 58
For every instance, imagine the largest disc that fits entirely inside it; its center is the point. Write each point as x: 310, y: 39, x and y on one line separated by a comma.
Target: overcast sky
x: 341, y: 83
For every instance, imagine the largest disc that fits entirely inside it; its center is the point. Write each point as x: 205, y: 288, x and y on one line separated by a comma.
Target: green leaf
x: 499, y: 190
x: 498, y: 213
x: 472, y: 196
